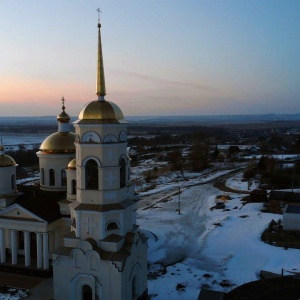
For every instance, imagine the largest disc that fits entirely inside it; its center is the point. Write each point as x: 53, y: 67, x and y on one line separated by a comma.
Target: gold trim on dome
x: 59, y: 142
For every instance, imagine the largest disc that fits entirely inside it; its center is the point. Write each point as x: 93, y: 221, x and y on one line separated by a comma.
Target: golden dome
x: 72, y: 164
x: 63, y: 117
x: 1, y: 148
x: 6, y: 161
x: 59, y: 142
x: 101, y: 111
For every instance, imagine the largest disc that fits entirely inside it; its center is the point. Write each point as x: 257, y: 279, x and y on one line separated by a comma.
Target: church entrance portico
x: 26, y: 240
x: 24, y: 248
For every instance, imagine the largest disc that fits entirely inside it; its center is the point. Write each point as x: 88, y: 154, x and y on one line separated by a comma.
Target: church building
x: 81, y: 220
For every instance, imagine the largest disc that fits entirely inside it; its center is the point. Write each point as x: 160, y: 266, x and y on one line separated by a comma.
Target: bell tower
x: 105, y: 254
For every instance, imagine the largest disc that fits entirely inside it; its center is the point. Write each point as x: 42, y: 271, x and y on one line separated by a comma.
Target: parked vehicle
x: 220, y: 205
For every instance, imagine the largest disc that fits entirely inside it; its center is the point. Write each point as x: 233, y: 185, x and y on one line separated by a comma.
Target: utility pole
x: 179, y: 201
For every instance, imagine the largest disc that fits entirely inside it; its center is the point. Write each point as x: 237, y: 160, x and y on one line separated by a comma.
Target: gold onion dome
x: 102, y: 111
x: 63, y: 117
x: 6, y: 161
x: 72, y: 164
x: 63, y: 140
x: 59, y: 142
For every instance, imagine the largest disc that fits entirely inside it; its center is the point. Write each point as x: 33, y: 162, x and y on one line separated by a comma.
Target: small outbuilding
x: 258, y: 195
x: 291, y: 217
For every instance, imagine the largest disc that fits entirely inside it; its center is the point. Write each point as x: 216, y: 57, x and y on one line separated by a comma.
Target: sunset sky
x: 161, y: 57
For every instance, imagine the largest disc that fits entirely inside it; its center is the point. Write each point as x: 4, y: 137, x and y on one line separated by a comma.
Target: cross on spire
x: 63, y: 103
x: 99, y: 11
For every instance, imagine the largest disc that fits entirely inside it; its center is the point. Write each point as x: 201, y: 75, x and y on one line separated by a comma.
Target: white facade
x: 90, y: 232
x: 105, y: 255
x: 33, y: 237
x: 53, y: 171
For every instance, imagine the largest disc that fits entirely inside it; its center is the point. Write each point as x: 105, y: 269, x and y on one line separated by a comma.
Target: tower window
x: 51, y: 177
x: 91, y: 174
x: 42, y: 176
x: 73, y: 187
x: 112, y: 226
x: 63, y: 177
x: 122, y: 173
x: 13, y: 182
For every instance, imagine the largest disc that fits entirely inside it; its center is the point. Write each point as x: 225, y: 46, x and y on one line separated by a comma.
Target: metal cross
x: 99, y: 11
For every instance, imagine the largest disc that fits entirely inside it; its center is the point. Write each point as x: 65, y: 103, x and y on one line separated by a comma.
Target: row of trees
x: 271, y: 173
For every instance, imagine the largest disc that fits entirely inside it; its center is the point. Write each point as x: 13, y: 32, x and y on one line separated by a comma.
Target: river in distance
x: 15, y: 139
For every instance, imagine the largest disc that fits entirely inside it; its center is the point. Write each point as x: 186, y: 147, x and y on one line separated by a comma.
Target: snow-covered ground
x: 209, y: 248
x: 14, y: 294
x: 236, y: 183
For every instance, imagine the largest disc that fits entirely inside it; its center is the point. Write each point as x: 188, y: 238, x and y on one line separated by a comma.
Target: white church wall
x: 8, y: 180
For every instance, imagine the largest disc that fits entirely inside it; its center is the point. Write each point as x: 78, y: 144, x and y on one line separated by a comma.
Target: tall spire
x: 100, y: 86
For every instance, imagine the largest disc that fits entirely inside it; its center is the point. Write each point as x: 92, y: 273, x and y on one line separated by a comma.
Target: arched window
x: 13, y: 182
x: 63, y: 178
x: 112, y: 226
x: 51, y: 177
x: 73, y: 184
x: 87, y: 292
x: 122, y: 173
x: 42, y: 176
x: 91, y: 175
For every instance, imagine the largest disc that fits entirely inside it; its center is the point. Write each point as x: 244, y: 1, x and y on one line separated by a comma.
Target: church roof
x: 103, y: 111
x: 41, y: 203
x: 59, y: 142
x: 6, y: 161
x: 105, y: 207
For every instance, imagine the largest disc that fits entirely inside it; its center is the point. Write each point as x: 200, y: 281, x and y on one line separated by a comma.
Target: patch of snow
x: 204, y: 247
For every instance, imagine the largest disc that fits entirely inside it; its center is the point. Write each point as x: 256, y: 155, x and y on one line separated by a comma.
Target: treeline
x: 24, y: 157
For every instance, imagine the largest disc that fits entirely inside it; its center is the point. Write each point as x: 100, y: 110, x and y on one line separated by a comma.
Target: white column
x: 14, y: 247
x: 39, y: 250
x: 2, y: 246
x: 27, y: 248
x: 46, y: 250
